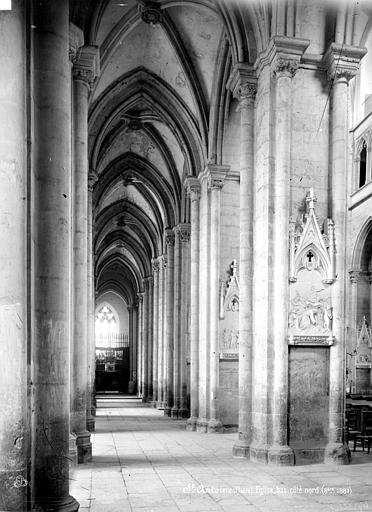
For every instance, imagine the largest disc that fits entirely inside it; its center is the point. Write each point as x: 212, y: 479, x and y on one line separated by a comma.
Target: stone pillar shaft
x: 139, y: 344
x: 247, y: 92
x: 194, y: 192
x: 145, y: 341
x: 215, y: 186
x: 339, y: 100
x: 203, y: 307
x: 160, y: 400
x: 91, y: 352
x: 155, y: 323
x: 150, y: 338
x: 279, y: 451
x: 176, y: 326
x: 80, y: 275
x: 184, y: 298
x: 13, y: 310
x: 52, y: 164
x: 352, y: 334
x: 169, y: 320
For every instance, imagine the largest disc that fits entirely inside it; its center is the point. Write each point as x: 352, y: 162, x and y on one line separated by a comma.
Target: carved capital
x: 216, y: 175
x: 169, y: 237
x: 242, y: 83
x: 151, y: 13
x: 193, y: 188
x: 92, y: 180
x: 354, y: 276
x: 140, y: 297
x: 155, y: 265
x: 86, y: 64
x: 247, y: 93
x: 285, y: 68
x: 163, y: 261
x: 342, y: 61
x: 214, y: 182
x: 183, y: 232
x: 76, y: 40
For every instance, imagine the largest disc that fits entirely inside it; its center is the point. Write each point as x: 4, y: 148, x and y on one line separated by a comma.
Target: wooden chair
x: 352, y: 425
x: 365, y: 436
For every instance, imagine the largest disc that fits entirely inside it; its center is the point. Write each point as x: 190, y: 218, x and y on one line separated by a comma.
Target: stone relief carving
x: 229, y: 292
x: 229, y: 339
x: 310, y: 314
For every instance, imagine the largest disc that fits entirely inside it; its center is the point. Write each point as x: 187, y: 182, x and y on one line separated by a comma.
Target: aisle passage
x: 143, y: 461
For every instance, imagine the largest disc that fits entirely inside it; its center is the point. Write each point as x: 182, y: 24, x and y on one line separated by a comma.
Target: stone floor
x: 145, y: 462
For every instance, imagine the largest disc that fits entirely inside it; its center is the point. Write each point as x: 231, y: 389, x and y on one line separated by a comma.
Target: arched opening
x: 363, y: 165
x: 112, y: 346
x: 359, y: 342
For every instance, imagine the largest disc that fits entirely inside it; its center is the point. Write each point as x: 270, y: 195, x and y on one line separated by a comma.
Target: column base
x: 281, y: 455
x: 191, y: 424
x: 72, y: 451
x: 91, y: 424
x: 160, y: 405
x: 84, y: 447
x: 214, y: 426
x: 241, y: 449
x: 183, y: 413
x: 174, y: 412
x: 202, y: 425
x: 13, y: 484
x: 258, y: 453
x: 337, y: 453
x: 68, y: 504
x: 167, y: 411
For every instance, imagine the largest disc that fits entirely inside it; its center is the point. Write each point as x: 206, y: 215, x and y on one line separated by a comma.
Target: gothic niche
x: 361, y: 373
x: 229, y: 315
x: 311, y: 273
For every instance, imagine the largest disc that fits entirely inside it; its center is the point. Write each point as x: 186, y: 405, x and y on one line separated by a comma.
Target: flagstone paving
x: 145, y: 462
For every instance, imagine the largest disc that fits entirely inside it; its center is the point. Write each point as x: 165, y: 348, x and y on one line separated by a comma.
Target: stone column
x: 155, y: 319
x: 176, y: 325
x: 184, y: 234
x: 283, y: 71
x: 216, y: 178
x: 150, y: 337
x: 243, y: 85
x: 135, y: 347
x: 145, y: 382
x: 83, y: 75
x: 342, y: 63
x: 91, y: 398
x: 352, y: 334
x: 139, y: 344
x: 169, y: 240
x: 14, y: 432
x: 52, y: 165
x: 193, y: 188
x: 203, y: 380
x: 160, y: 400
x: 131, y: 348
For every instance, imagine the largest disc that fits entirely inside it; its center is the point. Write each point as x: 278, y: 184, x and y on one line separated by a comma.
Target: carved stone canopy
x: 364, y: 334
x: 229, y: 294
x: 309, y: 248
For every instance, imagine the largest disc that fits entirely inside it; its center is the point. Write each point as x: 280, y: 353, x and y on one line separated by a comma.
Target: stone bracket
x: 310, y: 341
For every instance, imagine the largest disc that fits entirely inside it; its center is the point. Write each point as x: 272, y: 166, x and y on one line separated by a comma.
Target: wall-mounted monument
x: 229, y: 348
x: 362, y: 359
x: 310, y: 334
x: 229, y: 314
x: 311, y: 273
